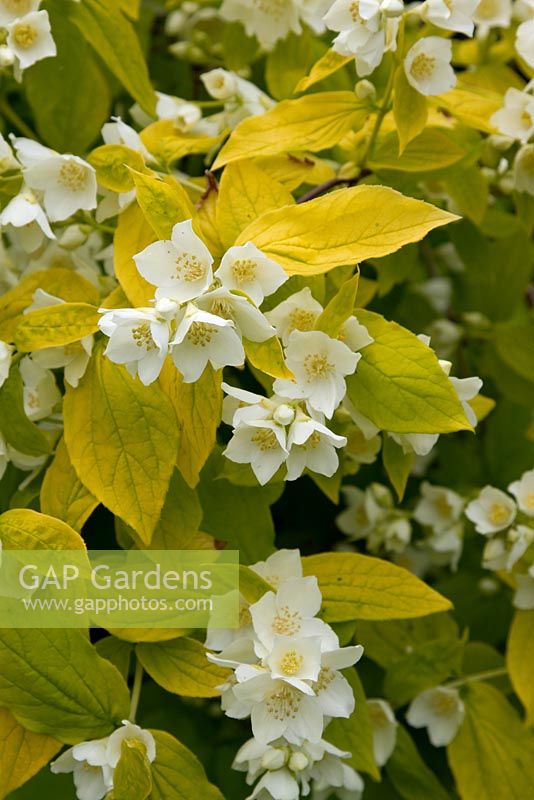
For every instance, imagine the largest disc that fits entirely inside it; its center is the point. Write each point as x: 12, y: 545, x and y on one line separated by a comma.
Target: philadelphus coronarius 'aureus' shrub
x: 266, y: 286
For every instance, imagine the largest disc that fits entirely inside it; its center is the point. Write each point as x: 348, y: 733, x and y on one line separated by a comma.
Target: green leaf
x: 17, y: 429
x: 22, y: 753
x: 54, y: 682
x: 343, y: 227
x: 132, y: 778
x: 56, y: 326
x: 115, y: 40
x: 356, y: 733
x: 122, y: 440
x: 116, y: 651
x: 340, y: 307
x: 63, y: 495
x: 427, y: 665
x: 520, y: 657
x: 433, y: 149
x: 491, y: 756
x: 198, y: 409
x: 387, y: 642
x: 111, y: 162
x: 69, y: 94
x: 399, y: 384
x: 181, y: 667
x: 513, y: 343
x: 289, y: 62
x: 26, y: 529
x: 362, y: 587
x: 177, y: 774
x: 397, y: 464
x: 313, y: 122
x: 163, y: 202
x: 409, y: 109
x: 409, y: 774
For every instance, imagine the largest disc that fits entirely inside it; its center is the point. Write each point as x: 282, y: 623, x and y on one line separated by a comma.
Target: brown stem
x: 317, y: 191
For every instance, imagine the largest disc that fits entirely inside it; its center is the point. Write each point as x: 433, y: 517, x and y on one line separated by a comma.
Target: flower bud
x: 166, y: 307
x: 392, y: 8
x: 220, y: 84
x: 298, y: 762
x: 284, y: 414
x: 273, y: 759
x: 488, y: 586
x: 72, y: 237
x: 175, y: 22
x: 7, y: 57
x: 364, y: 89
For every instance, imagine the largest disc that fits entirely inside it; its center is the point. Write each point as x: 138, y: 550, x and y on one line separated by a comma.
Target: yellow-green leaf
x: 520, y: 658
x: 25, y: 529
x: 409, y: 774
x: 472, y: 105
x: 133, y: 234
x: 432, y: 149
x: 355, y: 733
x: 181, y: 666
x: 491, y: 755
x: 251, y: 585
x: 63, y: 283
x: 362, y: 587
x: 246, y: 192
x: 313, y: 122
x: 469, y: 189
x: 164, y: 203
x: 268, y: 357
x: 293, y: 170
x: 63, y: 495
x: 399, y: 384
x: 22, y: 753
x: 397, y: 464
x: 111, y: 162
x: 20, y: 432
x: 344, y: 227
x: 409, y: 109
x: 340, y: 307
x: 198, y: 409
x: 122, y: 440
x: 177, y: 774
x: 54, y: 682
x: 169, y: 144
x: 132, y: 779
x: 56, y: 326
x: 328, y: 64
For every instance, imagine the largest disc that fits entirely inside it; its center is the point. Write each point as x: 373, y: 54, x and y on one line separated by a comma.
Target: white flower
x: 7, y: 159
x: 523, y: 491
x: 118, y: 132
x: 503, y: 554
x: 492, y: 511
x: 295, y: 660
x: 354, y: 521
x: 129, y: 732
x: 384, y: 729
x: 441, y: 711
x: 311, y: 445
x: 277, y: 709
x: 67, y: 182
x: 446, y: 546
x: 201, y: 338
x: 268, y: 20
x: 184, y: 115
x: 220, y: 83
x: 6, y: 351
x: 428, y: 66
x: 366, y: 30
x: 92, y: 774
x: 451, y: 15
x: 334, y: 693
x: 10, y: 10
x: 290, y: 612
x: 319, y: 365
x: 261, y: 443
x: 312, y: 12
x: 354, y: 334
x: 179, y: 267
x: 299, y: 312
x: 138, y: 338
x: 516, y: 118
x: 30, y: 38
x: 439, y: 507
x: 278, y: 785
x: 25, y: 214
x: 283, y: 564
x: 524, y: 595
x: 39, y: 389
x: 250, y: 271
x: 524, y: 169
x: 524, y: 42
x: 74, y: 357
x: 248, y: 319
x: 467, y: 389
x: 492, y: 14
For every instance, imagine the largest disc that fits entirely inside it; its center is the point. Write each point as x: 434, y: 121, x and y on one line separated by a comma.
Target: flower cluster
x: 372, y: 515
x: 93, y: 763
x: 28, y: 34
x: 286, y: 676
x: 508, y: 525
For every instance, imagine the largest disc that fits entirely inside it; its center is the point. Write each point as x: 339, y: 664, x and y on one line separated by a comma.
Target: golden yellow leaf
x: 409, y: 109
x: 25, y: 529
x: 56, y: 326
x: 327, y: 65
x: 133, y: 234
x: 63, y: 495
x: 163, y: 202
x: 22, y: 753
x: 520, y: 658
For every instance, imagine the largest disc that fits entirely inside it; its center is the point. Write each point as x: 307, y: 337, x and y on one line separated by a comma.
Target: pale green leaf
x: 181, y: 667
